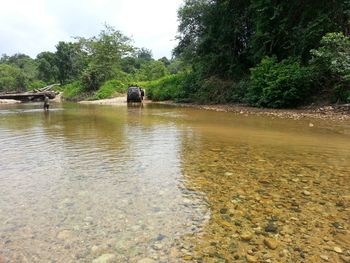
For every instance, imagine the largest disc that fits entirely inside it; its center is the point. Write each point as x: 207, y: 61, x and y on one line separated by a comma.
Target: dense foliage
x: 279, y: 84
x: 166, y: 88
x: 279, y: 46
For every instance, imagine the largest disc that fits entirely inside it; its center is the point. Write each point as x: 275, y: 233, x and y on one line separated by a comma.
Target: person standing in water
x: 46, y: 103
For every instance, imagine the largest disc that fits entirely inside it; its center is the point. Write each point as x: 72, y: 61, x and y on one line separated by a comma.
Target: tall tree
x: 47, y: 68
x: 69, y: 61
x: 106, y: 54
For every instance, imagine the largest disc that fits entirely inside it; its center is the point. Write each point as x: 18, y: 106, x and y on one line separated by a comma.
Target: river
x: 90, y: 183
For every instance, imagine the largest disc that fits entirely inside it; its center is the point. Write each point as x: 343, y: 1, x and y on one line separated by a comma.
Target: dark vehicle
x: 134, y: 94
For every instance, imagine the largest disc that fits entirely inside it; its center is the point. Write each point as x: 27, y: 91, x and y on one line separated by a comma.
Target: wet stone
x: 246, y: 236
x: 160, y: 237
x: 226, y: 218
x: 64, y: 234
x: 324, y: 257
x: 105, y: 258
x: 271, y: 227
x: 223, y: 210
x: 251, y: 259
x: 271, y: 243
x: 306, y: 193
x: 146, y: 260
x: 338, y: 250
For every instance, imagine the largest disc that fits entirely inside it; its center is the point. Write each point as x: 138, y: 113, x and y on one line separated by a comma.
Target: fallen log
x: 28, y: 96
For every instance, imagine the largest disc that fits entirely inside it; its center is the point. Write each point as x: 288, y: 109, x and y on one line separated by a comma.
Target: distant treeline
x: 96, y: 67
x: 266, y: 53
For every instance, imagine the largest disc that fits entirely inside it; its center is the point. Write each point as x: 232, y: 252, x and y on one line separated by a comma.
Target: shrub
x: 111, y: 88
x: 36, y: 85
x: 166, y: 88
x: 332, y: 65
x: 214, y: 90
x: 73, y: 90
x: 279, y: 84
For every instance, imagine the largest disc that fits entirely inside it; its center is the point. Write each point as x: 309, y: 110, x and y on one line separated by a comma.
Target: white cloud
x: 34, y: 26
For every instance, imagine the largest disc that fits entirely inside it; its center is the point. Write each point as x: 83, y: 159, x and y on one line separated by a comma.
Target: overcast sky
x: 31, y: 27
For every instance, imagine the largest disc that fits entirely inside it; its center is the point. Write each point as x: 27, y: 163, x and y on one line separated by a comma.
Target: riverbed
x: 160, y: 183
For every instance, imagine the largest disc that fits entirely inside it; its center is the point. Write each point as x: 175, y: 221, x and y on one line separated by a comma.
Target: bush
x: 36, y: 85
x: 166, y: 88
x: 214, y: 90
x: 282, y: 84
x: 332, y: 65
x: 111, y: 88
x: 73, y: 90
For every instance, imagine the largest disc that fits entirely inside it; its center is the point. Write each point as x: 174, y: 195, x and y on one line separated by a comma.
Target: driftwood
x: 36, y: 94
x: 49, y: 87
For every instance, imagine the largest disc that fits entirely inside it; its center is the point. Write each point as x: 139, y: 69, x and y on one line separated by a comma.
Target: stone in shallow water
x: 324, y: 257
x: 271, y: 243
x: 223, y: 210
x: 307, y: 193
x: 64, y: 234
x: 251, y: 259
x: 271, y: 227
x: 246, y: 236
x: 105, y: 258
x: 187, y: 257
x: 338, y: 250
x: 146, y: 260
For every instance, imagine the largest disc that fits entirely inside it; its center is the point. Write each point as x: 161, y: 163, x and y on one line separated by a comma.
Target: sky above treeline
x: 34, y: 26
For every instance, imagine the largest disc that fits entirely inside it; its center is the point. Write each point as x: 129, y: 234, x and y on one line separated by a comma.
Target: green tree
x: 144, y: 54
x: 106, y: 54
x: 292, y: 28
x: 47, y: 68
x: 26, y: 66
x: 70, y: 61
x: 151, y: 71
x: 222, y: 39
x: 10, y: 78
x: 331, y: 62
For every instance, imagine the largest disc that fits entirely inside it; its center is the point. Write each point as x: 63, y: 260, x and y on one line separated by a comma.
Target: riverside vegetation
x: 260, y: 52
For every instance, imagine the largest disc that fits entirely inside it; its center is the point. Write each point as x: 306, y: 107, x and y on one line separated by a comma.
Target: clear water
x: 167, y: 184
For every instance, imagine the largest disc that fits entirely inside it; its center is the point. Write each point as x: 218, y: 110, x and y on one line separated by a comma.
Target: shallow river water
x: 164, y: 184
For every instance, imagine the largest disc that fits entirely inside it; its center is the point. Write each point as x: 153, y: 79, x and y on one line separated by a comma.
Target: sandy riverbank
x: 112, y: 101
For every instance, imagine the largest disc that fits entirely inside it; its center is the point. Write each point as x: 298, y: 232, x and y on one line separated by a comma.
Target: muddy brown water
x: 87, y: 183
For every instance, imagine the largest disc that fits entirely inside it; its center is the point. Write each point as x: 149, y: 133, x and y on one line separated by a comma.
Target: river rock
x: 324, y: 257
x: 187, y: 257
x: 98, y: 250
x: 246, y: 236
x: 307, y: 193
x: 271, y: 243
x: 271, y: 227
x: 105, y: 258
x: 64, y: 234
x: 251, y: 259
x: 338, y: 250
x: 174, y: 252
x: 146, y: 260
